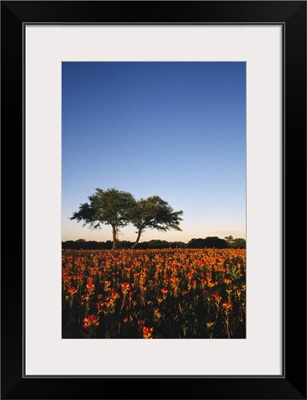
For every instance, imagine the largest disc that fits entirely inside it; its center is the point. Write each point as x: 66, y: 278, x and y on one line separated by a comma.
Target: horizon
x: 172, y: 129
x: 153, y: 239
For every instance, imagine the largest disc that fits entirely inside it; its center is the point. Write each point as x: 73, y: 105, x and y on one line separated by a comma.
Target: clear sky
x: 172, y: 129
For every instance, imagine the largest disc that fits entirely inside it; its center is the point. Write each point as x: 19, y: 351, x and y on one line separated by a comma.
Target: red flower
x: 227, y: 306
x: 125, y: 287
x: 157, y: 313
x: 90, y: 287
x: 217, y: 297
x: 147, y: 332
x: 90, y: 321
x: 115, y: 295
x: 72, y: 290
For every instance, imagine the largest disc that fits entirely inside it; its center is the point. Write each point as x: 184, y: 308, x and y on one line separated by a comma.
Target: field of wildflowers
x: 171, y: 293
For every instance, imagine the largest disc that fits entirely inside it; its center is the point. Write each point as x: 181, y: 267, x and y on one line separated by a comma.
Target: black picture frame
x: 292, y: 16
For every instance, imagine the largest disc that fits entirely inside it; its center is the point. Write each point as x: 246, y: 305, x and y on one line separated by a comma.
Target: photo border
x: 292, y: 15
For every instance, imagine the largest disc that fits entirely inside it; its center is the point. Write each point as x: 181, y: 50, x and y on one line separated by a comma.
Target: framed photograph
x: 161, y: 187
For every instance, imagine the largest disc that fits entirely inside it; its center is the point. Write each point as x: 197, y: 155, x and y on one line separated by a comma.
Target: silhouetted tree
x: 239, y: 243
x: 196, y: 243
x: 229, y: 240
x: 216, y: 242
x: 110, y: 207
x: 210, y: 242
x: 154, y: 213
x: 236, y: 243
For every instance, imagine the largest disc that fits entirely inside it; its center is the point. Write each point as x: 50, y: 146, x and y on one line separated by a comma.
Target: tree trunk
x: 114, y: 231
x: 137, y: 239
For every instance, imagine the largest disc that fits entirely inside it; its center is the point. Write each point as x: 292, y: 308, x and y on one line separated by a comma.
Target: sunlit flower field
x: 152, y: 294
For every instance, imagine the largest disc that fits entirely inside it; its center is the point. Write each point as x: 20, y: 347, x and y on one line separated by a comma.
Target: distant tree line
x: 208, y: 242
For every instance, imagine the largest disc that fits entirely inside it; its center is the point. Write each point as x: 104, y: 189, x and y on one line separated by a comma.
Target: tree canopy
x: 236, y: 243
x: 118, y: 209
x: 110, y: 207
x: 210, y: 242
x: 154, y: 213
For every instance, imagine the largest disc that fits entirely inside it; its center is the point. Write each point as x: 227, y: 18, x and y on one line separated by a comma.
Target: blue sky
x: 172, y: 129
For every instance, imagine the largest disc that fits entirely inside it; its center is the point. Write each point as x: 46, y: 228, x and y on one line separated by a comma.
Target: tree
x: 215, y: 242
x: 109, y: 207
x: 154, y: 213
x: 237, y: 243
x: 209, y: 242
x: 198, y: 243
x: 229, y: 240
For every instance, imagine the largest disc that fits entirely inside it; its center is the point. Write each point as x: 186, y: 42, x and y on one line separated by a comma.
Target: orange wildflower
x: 90, y: 321
x: 157, y: 313
x: 147, y: 332
x: 115, y: 295
x: 227, y: 306
x: 90, y: 287
x: 72, y: 290
x: 125, y: 287
x: 217, y: 297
